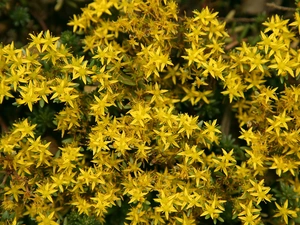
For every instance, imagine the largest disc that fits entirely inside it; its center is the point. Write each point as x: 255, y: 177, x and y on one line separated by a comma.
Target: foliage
x: 75, y: 219
x: 132, y: 126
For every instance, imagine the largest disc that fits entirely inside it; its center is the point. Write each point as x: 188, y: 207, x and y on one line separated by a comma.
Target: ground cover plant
x: 145, y: 115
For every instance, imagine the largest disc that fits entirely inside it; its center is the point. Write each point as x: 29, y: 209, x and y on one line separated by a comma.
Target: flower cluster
x: 127, y: 139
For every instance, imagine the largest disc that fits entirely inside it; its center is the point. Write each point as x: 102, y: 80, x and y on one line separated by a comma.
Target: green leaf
x: 42, y: 103
x: 67, y: 141
x: 57, y: 154
x: 65, y: 221
x: 126, y: 80
x: 119, y: 202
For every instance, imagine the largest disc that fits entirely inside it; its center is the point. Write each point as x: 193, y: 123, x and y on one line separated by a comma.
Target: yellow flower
x: 200, y: 175
x: 60, y: 180
x: 186, y: 220
x: 48, y: 41
x: 266, y: 41
x: 191, y: 154
x: 205, y: 16
x: 77, y: 22
x: 46, y: 190
x: 17, y: 76
x: 64, y: 91
x: 46, y: 220
x: 165, y: 136
x: 224, y: 162
x: 160, y: 60
x: 256, y: 62
x: 211, y: 129
x: 256, y: 159
x: 275, y: 24
x: 36, y: 41
x: 212, y: 209
x: 188, y: 124
x: 43, y: 90
x: 156, y: 218
x: 14, y: 222
x: 4, y: 90
x: 249, y: 218
x: 255, y: 79
x: 280, y: 121
x: 157, y: 93
x: 98, y: 142
x: 25, y: 128
x: 140, y: 115
x: 15, y: 190
x: 195, y: 95
x: 136, y: 195
x: 122, y: 143
x: 234, y: 86
x: 259, y: 191
x: 79, y: 68
x: 136, y: 216
x: 284, y: 65
x: 166, y: 204
x: 269, y: 93
x: 22, y: 164
x: 280, y: 164
x: 296, y: 23
x: 99, y: 107
x: 29, y: 95
x: 285, y: 212
x: 194, y: 54
x: 248, y: 135
x: 108, y: 54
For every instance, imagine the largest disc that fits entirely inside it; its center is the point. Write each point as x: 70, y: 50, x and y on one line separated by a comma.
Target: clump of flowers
x: 128, y: 136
